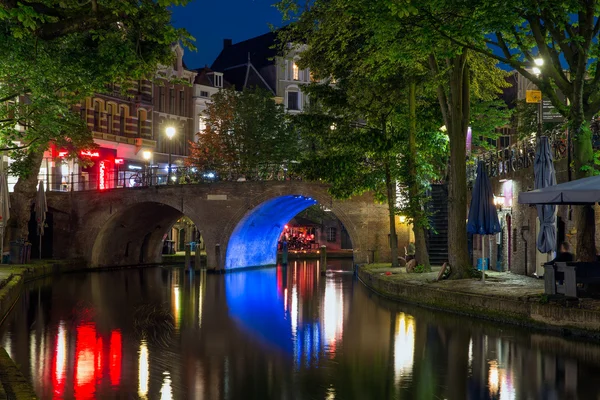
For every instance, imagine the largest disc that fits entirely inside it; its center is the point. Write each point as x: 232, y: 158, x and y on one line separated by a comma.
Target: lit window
x: 295, y: 72
x: 201, y: 123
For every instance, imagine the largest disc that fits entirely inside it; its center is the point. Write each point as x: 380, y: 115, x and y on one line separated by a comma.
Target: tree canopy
x: 247, y: 136
x: 53, y: 54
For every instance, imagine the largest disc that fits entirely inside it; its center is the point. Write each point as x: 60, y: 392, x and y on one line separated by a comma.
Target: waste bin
x: 487, y: 264
x: 27, y: 253
x: 16, y: 252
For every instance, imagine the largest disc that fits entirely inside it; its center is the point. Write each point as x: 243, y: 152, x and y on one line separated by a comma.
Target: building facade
x: 256, y: 63
x: 129, y: 129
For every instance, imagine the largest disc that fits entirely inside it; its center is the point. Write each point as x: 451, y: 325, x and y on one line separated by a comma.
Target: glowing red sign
x: 63, y: 154
x: 118, y: 161
x: 90, y: 153
x: 102, y: 176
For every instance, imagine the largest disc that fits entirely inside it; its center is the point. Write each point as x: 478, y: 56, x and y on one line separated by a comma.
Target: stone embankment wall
x: 523, y: 311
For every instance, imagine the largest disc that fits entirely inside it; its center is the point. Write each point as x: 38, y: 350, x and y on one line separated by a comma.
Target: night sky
x: 212, y: 21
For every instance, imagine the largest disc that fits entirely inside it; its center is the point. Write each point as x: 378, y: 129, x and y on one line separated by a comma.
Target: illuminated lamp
x: 88, y: 153
x: 63, y: 154
x: 402, y: 219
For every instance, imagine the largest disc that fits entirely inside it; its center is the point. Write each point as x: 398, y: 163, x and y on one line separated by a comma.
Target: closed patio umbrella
x: 41, y: 208
x: 545, y: 176
x: 4, y: 210
x: 483, y: 217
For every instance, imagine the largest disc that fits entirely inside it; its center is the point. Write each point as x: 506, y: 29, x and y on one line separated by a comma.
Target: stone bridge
x: 240, y: 221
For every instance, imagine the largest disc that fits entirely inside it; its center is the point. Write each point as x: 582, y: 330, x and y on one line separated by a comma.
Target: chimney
x: 226, y: 43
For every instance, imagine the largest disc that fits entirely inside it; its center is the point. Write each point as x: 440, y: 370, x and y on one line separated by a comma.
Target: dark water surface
x: 284, y: 333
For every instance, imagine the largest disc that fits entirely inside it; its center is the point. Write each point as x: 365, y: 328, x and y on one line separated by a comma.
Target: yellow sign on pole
x: 533, y: 96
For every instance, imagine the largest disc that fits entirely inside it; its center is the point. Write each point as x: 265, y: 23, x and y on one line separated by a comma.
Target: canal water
x: 279, y: 333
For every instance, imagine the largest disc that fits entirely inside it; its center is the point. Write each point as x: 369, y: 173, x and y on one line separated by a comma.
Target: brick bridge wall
x: 126, y: 226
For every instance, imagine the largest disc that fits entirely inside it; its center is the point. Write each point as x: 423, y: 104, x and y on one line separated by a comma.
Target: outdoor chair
x: 564, y: 278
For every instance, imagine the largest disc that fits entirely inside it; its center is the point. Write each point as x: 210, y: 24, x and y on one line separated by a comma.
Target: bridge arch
x: 252, y: 241
x: 134, y: 235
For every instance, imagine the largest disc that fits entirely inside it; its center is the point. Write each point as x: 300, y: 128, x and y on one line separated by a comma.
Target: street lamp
x: 170, y: 133
x: 147, y: 156
x: 539, y: 62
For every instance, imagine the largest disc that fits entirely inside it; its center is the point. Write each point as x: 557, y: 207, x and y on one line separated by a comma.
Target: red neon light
x: 115, y: 358
x: 102, y: 183
x: 118, y: 161
x: 90, y: 153
x: 62, y: 154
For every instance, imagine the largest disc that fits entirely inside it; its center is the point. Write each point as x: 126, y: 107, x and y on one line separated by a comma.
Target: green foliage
x: 54, y: 54
x: 420, y: 269
x: 247, y: 136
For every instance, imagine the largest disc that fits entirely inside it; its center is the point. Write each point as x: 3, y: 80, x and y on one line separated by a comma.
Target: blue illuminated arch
x: 253, y: 242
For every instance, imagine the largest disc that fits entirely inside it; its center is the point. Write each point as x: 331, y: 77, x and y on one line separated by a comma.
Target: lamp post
x: 147, y: 155
x: 539, y: 62
x: 170, y: 133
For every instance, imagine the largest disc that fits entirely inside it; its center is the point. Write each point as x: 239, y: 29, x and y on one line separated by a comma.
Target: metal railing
x: 521, y: 155
x: 152, y: 176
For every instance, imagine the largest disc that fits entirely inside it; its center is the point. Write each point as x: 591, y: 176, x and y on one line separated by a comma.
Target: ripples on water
x: 280, y: 333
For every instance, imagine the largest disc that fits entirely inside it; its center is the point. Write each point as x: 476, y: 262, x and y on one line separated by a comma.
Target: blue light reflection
x: 254, y: 301
x: 253, y: 243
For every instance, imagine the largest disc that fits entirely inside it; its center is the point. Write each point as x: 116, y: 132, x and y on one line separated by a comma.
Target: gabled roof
x: 206, y: 77
x: 259, y: 49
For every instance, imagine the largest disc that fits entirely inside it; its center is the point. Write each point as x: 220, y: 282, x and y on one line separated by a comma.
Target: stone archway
x: 253, y: 240
x: 134, y: 235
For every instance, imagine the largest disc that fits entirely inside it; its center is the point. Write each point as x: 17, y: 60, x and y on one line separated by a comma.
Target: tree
x: 52, y: 56
x: 247, y: 136
x: 384, y: 36
x: 565, y: 36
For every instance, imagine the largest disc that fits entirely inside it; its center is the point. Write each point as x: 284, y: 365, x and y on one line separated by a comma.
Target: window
x: 204, y: 94
x: 161, y: 99
x: 122, y: 121
x: 201, y: 123
x: 109, y: 118
x: 295, y: 71
x: 218, y: 80
x: 181, y: 102
x: 331, y: 234
x: 172, y: 101
x: 292, y: 101
x: 504, y: 141
x: 96, y: 116
x: 141, y: 121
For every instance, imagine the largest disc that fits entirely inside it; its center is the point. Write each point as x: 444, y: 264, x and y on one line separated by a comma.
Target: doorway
x: 508, y: 242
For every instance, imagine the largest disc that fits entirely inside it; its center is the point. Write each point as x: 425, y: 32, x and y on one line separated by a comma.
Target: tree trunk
x: 421, y: 254
x: 458, y: 118
x: 23, y: 197
x: 585, y: 221
x: 390, y: 186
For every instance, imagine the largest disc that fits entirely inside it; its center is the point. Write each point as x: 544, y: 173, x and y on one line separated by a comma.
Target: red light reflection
x: 115, y: 358
x: 96, y: 359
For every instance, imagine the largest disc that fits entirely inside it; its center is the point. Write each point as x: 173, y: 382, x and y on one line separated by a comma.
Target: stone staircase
x: 437, y: 237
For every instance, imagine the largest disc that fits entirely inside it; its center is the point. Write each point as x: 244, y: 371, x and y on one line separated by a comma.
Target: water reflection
x: 404, y: 346
x: 274, y: 333
x: 143, y: 370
